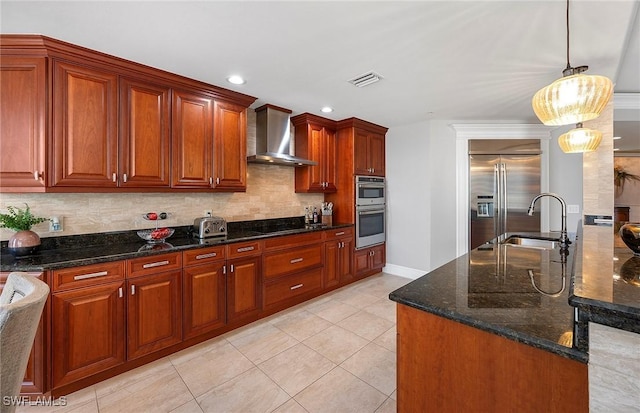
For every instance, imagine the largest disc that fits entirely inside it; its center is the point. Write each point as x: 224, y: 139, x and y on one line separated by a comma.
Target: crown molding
x: 501, y: 131
x: 626, y: 101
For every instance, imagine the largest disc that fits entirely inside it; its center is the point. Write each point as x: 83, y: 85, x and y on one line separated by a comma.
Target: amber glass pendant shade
x: 572, y: 99
x: 580, y: 140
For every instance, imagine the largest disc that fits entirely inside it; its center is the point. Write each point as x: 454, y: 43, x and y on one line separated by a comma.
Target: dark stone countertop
x: 76, y: 250
x: 490, y: 288
x: 606, y: 286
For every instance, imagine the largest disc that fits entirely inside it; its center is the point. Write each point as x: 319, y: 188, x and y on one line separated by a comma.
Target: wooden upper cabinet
x: 230, y: 152
x: 85, y: 132
x: 144, y: 146
x: 369, y: 153
x: 192, y: 140
x: 23, y: 124
x: 315, y: 139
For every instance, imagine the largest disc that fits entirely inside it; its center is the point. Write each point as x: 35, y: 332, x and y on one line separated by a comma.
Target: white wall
x: 408, y: 198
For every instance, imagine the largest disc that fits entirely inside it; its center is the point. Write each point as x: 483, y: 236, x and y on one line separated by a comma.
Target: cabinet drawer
x: 86, y: 275
x: 290, y: 261
x: 244, y: 249
x: 293, y: 286
x: 292, y: 240
x: 154, y: 264
x: 338, y: 233
x: 203, y: 255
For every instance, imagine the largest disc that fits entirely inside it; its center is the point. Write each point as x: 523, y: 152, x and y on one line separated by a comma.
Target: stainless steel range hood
x: 273, y: 138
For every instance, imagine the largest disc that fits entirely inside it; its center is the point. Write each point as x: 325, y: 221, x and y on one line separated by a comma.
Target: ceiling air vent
x: 365, y: 79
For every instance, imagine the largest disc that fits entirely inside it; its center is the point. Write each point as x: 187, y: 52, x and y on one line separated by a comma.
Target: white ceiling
x: 473, y: 60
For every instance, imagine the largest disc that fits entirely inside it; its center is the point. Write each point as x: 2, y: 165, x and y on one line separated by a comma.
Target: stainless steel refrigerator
x: 504, y: 176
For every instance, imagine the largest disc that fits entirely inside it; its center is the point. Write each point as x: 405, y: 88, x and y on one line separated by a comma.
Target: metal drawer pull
x: 203, y: 256
x: 92, y: 275
x: 339, y: 233
x: 155, y: 264
x: 114, y: 177
x: 296, y: 260
x: 245, y: 249
x: 295, y: 287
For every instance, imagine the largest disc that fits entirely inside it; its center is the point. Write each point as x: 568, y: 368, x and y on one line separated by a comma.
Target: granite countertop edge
x: 559, y: 349
x: 17, y: 265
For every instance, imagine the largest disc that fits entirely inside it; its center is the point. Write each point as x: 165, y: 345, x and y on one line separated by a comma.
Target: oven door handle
x: 377, y: 211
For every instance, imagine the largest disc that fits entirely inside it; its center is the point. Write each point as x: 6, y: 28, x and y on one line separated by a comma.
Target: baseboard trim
x: 405, y: 272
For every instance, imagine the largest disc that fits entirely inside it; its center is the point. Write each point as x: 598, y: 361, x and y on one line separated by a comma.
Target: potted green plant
x: 24, y: 241
x: 620, y: 176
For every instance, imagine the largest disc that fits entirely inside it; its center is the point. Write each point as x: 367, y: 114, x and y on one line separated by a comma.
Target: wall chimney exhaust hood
x: 273, y: 138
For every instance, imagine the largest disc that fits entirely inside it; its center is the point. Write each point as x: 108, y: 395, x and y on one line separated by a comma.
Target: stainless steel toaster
x: 207, y: 227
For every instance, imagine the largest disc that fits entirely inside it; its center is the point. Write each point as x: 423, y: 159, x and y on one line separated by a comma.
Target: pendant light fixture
x: 575, y: 97
x: 580, y: 140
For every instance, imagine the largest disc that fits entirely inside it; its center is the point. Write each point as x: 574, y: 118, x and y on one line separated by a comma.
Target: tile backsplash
x: 270, y: 194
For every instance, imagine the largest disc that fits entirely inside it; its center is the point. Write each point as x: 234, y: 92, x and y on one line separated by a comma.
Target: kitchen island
x: 510, y: 328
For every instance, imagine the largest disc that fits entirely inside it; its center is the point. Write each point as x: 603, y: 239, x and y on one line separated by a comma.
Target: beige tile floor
x: 336, y: 353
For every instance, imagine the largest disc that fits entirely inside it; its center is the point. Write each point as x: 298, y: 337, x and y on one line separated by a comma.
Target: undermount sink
x: 532, y: 242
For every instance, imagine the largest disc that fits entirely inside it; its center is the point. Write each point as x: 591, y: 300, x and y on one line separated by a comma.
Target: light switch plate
x: 573, y: 209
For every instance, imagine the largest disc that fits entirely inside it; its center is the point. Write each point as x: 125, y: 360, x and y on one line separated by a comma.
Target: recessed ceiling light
x: 327, y: 109
x: 236, y: 80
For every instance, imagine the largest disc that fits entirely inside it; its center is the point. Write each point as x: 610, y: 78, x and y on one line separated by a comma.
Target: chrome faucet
x: 564, y: 238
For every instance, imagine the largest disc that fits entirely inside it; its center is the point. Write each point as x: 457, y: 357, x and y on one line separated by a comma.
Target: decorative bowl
x: 630, y: 234
x: 155, y: 236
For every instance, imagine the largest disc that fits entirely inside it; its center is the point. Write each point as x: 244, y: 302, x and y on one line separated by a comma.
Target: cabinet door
x: 377, y: 257
x: 376, y: 154
x: 192, y: 140
x: 244, y: 287
x: 330, y: 160
x: 331, y: 263
x: 230, y: 152
x: 144, y: 134
x: 23, y: 123
x: 204, y: 301
x: 316, y: 142
x: 344, y: 263
x: 361, y: 262
x: 85, y: 132
x: 360, y: 153
x: 154, y: 315
x: 34, y: 381
x: 87, y: 331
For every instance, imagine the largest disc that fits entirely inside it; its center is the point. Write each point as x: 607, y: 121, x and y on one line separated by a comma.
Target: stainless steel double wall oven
x: 370, y: 210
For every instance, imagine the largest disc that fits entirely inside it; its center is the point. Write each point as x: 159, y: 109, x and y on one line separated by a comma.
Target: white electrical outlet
x: 55, y: 224
x: 208, y: 213
x: 573, y: 209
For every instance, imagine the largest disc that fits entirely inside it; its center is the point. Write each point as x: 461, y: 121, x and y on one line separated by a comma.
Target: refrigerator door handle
x: 504, y: 198
x: 498, y: 205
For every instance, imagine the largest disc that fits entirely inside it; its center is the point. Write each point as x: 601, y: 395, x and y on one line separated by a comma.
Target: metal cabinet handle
x: 124, y: 178
x: 296, y: 260
x: 114, y: 177
x: 231, y: 267
x: 209, y: 255
x: 342, y: 244
x: 210, y: 180
x: 339, y: 233
x: 91, y: 275
x: 224, y: 269
x: 37, y: 175
x: 245, y: 249
x: 133, y: 289
x: 218, y: 181
x: 155, y: 264
x: 295, y: 287
x: 120, y: 292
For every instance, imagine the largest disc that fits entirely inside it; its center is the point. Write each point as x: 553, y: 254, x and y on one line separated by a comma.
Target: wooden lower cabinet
x: 154, y: 313
x: 203, y: 298
x: 244, y: 287
x: 368, y: 261
x: 338, y: 259
x: 446, y: 366
x: 36, y: 376
x: 88, y: 328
